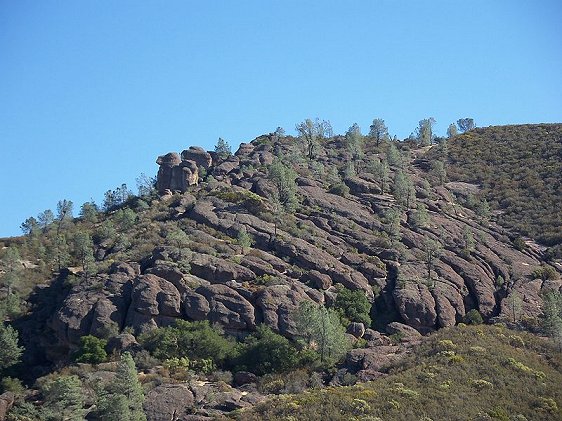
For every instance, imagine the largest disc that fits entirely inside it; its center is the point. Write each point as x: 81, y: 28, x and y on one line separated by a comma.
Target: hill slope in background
x: 520, y: 171
x: 243, y: 240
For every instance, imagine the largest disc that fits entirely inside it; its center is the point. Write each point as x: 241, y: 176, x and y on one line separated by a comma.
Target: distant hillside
x: 520, y: 171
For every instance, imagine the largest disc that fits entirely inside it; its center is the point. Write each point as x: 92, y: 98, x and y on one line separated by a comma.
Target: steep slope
x: 243, y: 240
x: 331, y: 238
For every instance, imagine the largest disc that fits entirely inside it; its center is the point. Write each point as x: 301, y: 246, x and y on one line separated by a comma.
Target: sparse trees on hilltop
x: 378, y: 131
x: 424, y: 132
x: 311, y: 133
x: 465, y: 124
x: 452, y: 130
x: 222, y: 148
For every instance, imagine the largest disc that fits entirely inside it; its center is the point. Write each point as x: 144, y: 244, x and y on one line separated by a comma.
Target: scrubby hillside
x: 260, y: 244
x: 519, y: 169
x: 462, y: 373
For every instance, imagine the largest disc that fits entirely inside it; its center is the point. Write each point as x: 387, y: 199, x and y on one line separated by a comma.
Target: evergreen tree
x: 465, y: 124
x: 45, y: 219
x: 403, y: 189
x: 420, y: 217
x: 311, y: 133
x: 64, y: 400
x: 123, y: 398
x: 244, y: 239
x: 393, y: 156
x: 552, y: 316
x: 283, y: 178
x: 378, y: 131
x: 30, y: 226
x: 452, y: 130
x: 379, y: 168
x: 84, y: 252
x: 222, y: 148
x: 424, y: 132
x: 89, y: 212
x: 432, y: 250
x: 321, y: 329
x: 354, y: 142
x: 10, y: 352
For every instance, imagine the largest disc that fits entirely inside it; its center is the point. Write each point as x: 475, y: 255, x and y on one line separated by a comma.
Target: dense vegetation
x: 520, y: 171
x: 466, y: 372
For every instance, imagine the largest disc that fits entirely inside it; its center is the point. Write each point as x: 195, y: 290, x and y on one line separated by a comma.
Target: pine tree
x: 10, y: 352
x: 64, y: 400
x: 222, y: 148
x: 124, y: 398
x: 322, y: 330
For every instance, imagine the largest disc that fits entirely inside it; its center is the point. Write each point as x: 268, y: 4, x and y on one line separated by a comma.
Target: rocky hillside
x: 242, y: 240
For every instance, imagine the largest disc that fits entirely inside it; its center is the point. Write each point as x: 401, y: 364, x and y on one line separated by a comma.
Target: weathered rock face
x: 6, y: 403
x: 175, y: 174
x: 197, y: 155
x: 168, y: 402
x: 154, y: 302
x: 330, y: 240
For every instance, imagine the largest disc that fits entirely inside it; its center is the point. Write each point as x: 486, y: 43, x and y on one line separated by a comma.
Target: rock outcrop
x: 332, y: 239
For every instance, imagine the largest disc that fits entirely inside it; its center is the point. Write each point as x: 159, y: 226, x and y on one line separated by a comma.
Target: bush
x: 545, y: 273
x: 193, y: 340
x: 10, y: 384
x: 473, y: 317
x: 340, y: 189
x: 266, y: 352
x: 92, y: 350
x: 353, y: 305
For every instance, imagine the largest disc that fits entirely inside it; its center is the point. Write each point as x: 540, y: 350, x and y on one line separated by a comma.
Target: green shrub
x: 10, y: 384
x: 192, y: 340
x: 353, y: 305
x: 92, y: 350
x: 341, y: 189
x: 545, y: 273
x: 266, y: 352
x: 473, y: 317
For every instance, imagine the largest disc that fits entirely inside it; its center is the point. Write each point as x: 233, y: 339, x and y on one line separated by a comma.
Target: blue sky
x: 92, y: 91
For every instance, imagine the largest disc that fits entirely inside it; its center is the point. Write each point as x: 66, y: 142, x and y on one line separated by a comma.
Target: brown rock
x: 416, y: 305
x: 278, y: 304
x: 228, y: 307
x: 318, y: 280
x: 6, y: 402
x: 400, y: 328
x: 244, y: 377
x: 197, y: 155
x: 168, y: 402
x: 154, y: 302
x: 356, y: 329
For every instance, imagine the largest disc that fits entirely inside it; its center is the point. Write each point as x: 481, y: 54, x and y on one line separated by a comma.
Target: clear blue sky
x: 92, y: 91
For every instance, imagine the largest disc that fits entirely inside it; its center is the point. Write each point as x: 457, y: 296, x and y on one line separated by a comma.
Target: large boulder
x: 278, y: 305
x: 198, y: 155
x: 168, y: 402
x: 175, y: 174
x: 416, y: 305
x: 155, y: 302
x: 227, y: 307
